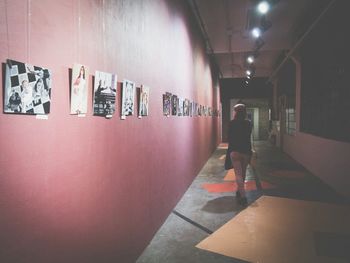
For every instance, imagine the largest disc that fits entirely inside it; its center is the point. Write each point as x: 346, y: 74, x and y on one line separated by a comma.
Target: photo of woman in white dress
x: 79, y: 89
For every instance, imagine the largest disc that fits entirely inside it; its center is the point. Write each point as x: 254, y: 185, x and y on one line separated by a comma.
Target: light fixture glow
x: 263, y: 7
x: 250, y: 59
x: 248, y: 77
x: 248, y: 72
x: 256, y: 32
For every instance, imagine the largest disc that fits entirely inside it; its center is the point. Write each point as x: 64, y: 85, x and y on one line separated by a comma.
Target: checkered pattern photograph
x: 27, y: 89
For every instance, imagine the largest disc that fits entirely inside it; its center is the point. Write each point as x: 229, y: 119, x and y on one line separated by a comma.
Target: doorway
x: 253, y: 116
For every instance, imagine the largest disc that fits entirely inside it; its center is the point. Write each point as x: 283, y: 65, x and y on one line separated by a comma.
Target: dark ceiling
x: 226, y: 26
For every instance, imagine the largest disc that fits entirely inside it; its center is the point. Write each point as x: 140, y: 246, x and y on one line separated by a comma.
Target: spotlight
x: 248, y: 72
x: 246, y: 81
x: 263, y: 7
x: 256, y: 32
x: 248, y: 77
x: 250, y: 59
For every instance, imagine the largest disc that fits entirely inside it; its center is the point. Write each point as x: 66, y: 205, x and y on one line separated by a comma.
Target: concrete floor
x: 199, y: 213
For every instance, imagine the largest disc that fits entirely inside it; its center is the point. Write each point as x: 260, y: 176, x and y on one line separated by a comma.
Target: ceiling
x: 227, y: 24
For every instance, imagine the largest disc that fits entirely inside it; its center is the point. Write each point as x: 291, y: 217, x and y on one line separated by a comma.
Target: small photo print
x: 27, y: 89
x: 186, y: 111
x: 191, y: 108
x: 174, y: 105
x: 79, y: 89
x: 128, y: 98
x: 166, y: 104
x: 105, y: 91
x: 144, y: 101
x: 180, y: 111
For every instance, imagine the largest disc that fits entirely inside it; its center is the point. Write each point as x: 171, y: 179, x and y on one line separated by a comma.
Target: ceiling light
x: 248, y: 72
x: 248, y: 76
x: 263, y: 7
x: 250, y: 59
x: 256, y: 32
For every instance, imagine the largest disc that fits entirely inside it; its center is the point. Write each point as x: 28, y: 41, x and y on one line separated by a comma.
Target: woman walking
x: 240, y: 149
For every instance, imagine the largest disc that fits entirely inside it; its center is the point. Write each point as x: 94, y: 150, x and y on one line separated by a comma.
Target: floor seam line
x: 192, y: 222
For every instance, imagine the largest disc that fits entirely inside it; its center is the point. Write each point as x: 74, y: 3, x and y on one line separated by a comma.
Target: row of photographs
x: 177, y: 106
x: 28, y: 91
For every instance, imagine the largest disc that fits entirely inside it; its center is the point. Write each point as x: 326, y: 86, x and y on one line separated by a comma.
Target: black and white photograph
x: 166, y: 104
x: 174, y: 105
x: 144, y: 101
x: 105, y: 91
x: 195, y: 109
x: 191, y: 108
x: 186, y: 111
x: 128, y: 98
x: 180, y: 108
x: 27, y: 89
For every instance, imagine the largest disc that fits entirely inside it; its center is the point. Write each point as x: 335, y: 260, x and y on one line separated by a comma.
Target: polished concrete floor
x: 200, y: 212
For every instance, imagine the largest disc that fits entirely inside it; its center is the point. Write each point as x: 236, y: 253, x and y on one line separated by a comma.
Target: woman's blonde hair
x: 240, y: 111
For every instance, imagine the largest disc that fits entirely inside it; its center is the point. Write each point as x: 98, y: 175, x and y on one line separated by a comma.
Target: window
x: 286, y: 93
x: 325, y: 92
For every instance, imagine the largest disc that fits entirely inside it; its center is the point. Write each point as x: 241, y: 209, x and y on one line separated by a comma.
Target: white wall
x: 327, y: 159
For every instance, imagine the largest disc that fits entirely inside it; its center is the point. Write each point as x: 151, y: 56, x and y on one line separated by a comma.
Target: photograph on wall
x: 180, y: 107
x: 195, y: 109
x: 27, y: 89
x: 144, y: 101
x: 105, y: 91
x: 186, y: 109
x: 128, y: 98
x: 174, y: 105
x: 166, y: 104
x: 79, y: 89
x: 191, y: 108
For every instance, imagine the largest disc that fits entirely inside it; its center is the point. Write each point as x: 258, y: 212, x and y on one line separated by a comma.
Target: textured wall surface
x: 91, y: 189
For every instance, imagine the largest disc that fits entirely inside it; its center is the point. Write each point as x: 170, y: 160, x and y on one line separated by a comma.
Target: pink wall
x: 91, y: 189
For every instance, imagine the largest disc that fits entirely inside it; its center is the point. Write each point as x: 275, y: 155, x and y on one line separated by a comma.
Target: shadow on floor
x: 223, y: 204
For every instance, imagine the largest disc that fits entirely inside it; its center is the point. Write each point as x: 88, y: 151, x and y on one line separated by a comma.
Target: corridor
x: 210, y: 203
x: 115, y: 116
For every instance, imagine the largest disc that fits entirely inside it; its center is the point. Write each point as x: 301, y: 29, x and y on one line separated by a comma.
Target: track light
x: 265, y: 24
x: 256, y: 32
x: 250, y: 59
x: 263, y: 7
x: 259, y: 44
